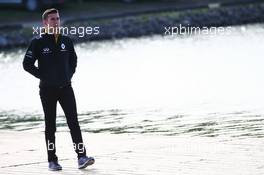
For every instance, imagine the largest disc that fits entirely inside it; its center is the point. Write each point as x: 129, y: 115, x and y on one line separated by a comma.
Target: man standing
x: 57, y: 62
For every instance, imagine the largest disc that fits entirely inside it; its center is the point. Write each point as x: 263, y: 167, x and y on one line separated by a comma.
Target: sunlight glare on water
x: 194, y: 75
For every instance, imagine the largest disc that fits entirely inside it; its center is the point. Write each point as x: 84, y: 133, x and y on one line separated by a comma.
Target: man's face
x: 53, y: 20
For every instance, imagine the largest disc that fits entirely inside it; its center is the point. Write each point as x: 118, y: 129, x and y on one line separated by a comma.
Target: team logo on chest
x: 63, y: 47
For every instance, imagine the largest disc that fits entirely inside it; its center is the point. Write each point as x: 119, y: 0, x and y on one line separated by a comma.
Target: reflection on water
x: 197, y: 85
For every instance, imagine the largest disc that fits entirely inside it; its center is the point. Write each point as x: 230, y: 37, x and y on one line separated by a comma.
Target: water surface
x: 203, y: 85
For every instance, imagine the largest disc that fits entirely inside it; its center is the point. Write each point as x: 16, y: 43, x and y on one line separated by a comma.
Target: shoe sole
x: 89, y: 162
x: 55, y: 169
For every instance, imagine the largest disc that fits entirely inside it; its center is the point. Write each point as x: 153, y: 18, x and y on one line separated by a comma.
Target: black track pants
x: 65, y: 95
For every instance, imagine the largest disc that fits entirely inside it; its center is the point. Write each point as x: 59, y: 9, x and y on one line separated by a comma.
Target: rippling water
x: 194, y: 85
x: 236, y: 124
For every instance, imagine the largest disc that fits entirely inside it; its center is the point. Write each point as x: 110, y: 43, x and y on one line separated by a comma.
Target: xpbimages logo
x: 190, y: 30
x: 80, y: 31
x: 79, y: 147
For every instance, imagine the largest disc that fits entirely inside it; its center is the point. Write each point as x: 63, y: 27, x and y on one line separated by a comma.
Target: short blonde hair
x: 49, y: 11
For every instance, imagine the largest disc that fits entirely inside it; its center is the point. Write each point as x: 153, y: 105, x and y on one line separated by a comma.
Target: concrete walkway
x: 24, y: 153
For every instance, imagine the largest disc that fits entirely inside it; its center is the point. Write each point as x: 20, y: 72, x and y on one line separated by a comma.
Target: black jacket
x: 57, y: 61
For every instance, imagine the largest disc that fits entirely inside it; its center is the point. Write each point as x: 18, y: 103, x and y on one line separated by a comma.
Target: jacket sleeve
x: 73, y: 60
x: 30, y: 59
